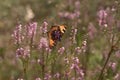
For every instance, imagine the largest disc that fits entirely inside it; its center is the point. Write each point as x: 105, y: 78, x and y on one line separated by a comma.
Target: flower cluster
x: 75, y: 14
x: 17, y: 34
x: 43, y: 43
x: 23, y: 53
x: 43, y: 28
x: 75, y: 66
x: 30, y: 31
x: 61, y: 50
x: 102, y: 14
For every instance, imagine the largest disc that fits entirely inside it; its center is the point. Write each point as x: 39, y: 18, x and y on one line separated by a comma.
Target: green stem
x: 25, y: 69
x: 75, y: 73
x: 109, y: 54
x: 43, y: 65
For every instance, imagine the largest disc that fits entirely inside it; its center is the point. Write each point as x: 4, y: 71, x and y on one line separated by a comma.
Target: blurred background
x: 73, y: 13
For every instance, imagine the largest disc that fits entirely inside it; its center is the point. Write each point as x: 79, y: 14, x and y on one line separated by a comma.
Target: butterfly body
x: 55, y: 34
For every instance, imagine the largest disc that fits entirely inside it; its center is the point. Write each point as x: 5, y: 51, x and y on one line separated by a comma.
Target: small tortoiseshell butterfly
x: 55, y: 34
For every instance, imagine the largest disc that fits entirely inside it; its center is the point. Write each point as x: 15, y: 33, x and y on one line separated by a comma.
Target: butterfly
x: 55, y: 34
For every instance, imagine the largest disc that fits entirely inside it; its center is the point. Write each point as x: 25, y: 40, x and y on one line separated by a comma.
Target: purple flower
x: 19, y: 52
x: 117, y: 76
x: 74, y: 66
x: 76, y: 60
x: 48, y: 49
x: 43, y: 43
x: 77, y: 4
x: 17, y: 34
x: 81, y: 74
x: 65, y: 76
x: 37, y: 79
x: 57, y: 75
x: 20, y: 79
x: 74, y: 32
x: 77, y: 50
x: 113, y: 65
x: 113, y: 9
x: 47, y: 76
x: 92, y: 30
x: 26, y: 52
x: 84, y: 46
x: 23, y: 53
x: 43, y: 28
x: 30, y: 30
x: 39, y: 61
x: 72, y: 78
x: 66, y: 60
x: 117, y: 54
x: 61, y: 50
x: 102, y: 14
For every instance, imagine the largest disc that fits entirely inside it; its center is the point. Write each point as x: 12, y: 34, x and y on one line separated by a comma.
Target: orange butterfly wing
x: 52, y: 43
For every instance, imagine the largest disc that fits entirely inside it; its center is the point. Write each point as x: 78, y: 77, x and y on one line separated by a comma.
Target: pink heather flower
x: 74, y: 32
x: 47, y: 76
x: 102, y: 14
x: 77, y: 13
x: 117, y: 54
x: 72, y: 78
x: 57, y: 75
x: 76, y: 60
x: 69, y: 15
x: 37, y: 79
x: 92, y: 30
x: 48, y: 49
x: 79, y: 21
x: 43, y: 43
x: 117, y: 76
x: 26, y: 52
x: 43, y: 28
x: 72, y: 16
x: 81, y: 74
x: 113, y: 65
x: 61, y: 50
x: 30, y: 30
x: 19, y: 52
x: 23, y: 53
x: 17, y: 34
x: 77, y: 4
x: 39, y: 61
x: 20, y: 79
x: 77, y: 50
x: 66, y: 15
x: 65, y: 76
x: 84, y: 45
x: 113, y: 9
x: 61, y: 14
x: 74, y: 66
x: 75, y: 63
x: 66, y: 60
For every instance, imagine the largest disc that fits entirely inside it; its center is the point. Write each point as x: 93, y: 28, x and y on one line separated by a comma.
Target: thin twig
x: 109, y: 54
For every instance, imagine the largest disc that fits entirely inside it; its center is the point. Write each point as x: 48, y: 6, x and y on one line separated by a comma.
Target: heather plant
x: 72, y: 60
x: 88, y: 50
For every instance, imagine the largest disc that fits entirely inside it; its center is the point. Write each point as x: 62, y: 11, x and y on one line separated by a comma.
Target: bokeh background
x: 80, y: 14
